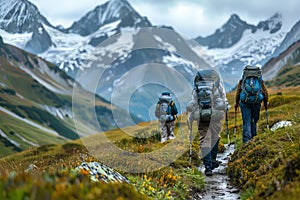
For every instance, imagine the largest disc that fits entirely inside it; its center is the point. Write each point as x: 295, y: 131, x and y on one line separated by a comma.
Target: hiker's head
x: 252, y: 67
x: 166, y: 94
x: 166, y: 97
x: 250, y: 70
x: 205, y: 75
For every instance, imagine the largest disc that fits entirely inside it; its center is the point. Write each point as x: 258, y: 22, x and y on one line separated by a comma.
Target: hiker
x: 166, y: 112
x: 210, y: 96
x: 251, y: 91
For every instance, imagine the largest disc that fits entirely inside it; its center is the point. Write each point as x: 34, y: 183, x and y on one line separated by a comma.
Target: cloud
x: 65, y: 12
x: 189, y: 17
x: 214, y: 13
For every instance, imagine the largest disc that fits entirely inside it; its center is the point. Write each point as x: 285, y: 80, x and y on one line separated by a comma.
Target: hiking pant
x: 167, y: 129
x: 209, y: 141
x: 250, y: 115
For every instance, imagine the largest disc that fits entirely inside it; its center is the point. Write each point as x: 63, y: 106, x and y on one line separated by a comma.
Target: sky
x: 191, y: 18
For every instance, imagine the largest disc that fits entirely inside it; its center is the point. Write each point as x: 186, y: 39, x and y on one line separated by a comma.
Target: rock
x: 234, y: 191
x: 31, y: 167
x: 100, y: 172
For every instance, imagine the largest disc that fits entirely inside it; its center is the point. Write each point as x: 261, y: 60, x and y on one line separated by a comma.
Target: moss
x: 62, y: 184
x: 267, y: 164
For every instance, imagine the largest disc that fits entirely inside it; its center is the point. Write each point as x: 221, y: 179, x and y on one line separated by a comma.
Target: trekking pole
x: 235, y: 128
x: 191, y: 135
x: 267, y: 118
x: 158, y: 131
x: 226, y: 117
x: 180, y: 128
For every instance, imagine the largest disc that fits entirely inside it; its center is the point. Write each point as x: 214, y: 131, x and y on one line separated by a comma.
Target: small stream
x: 218, y: 187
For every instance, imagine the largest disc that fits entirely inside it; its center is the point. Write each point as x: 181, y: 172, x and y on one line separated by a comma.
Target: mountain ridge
x: 68, y: 49
x: 107, y: 13
x: 20, y: 16
x: 231, y: 32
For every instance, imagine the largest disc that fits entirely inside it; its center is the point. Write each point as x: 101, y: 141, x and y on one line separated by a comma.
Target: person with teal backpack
x: 251, y: 91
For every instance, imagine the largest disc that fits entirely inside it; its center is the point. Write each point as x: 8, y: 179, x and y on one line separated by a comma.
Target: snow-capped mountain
x: 228, y: 35
x: 232, y: 46
x: 67, y: 47
x: 20, y: 16
x: 272, y: 24
x: 107, y: 13
x: 238, y: 43
x: 23, y: 17
x: 286, y: 52
x: 232, y: 31
x: 129, y: 60
x: 292, y: 37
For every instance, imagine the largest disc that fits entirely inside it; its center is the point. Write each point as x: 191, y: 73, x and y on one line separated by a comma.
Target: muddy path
x: 218, y: 186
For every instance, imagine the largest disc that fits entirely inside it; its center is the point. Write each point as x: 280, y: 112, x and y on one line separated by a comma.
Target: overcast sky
x: 189, y: 17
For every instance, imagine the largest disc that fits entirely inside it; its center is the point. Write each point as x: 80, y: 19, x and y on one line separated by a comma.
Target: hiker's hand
x: 236, y: 106
x: 267, y: 105
x: 227, y: 105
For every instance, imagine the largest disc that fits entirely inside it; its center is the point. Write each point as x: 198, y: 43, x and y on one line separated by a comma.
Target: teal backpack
x: 251, y: 88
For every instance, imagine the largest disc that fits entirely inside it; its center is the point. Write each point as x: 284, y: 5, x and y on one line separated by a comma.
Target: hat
x: 166, y: 94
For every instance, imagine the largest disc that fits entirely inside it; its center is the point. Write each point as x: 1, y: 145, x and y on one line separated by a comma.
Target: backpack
x: 204, y: 86
x: 251, y: 88
x: 166, y: 109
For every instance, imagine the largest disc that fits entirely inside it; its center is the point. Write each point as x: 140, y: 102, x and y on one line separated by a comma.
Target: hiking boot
x: 163, y: 139
x: 171, y: 137
x: 208, y: 173
x: 215, y: 164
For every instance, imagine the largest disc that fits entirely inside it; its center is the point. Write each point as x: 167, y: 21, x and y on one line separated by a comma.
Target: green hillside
x: 287, y: 76
x: 36, y: 103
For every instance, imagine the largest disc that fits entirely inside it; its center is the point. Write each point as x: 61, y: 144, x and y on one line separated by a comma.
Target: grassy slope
x: 268, y: 167
x: 12, y: 126
x: 21, y: 94
x: 287, y: 76
x: 172, y: 181
x: 261, y: 168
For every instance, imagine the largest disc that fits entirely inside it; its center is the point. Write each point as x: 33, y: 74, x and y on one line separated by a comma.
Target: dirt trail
x: 218, y: 186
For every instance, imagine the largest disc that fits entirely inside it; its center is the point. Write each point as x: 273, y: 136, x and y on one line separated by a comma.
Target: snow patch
x: 281, y: 124
x: 18, y: 40
x: 164, y: 45
x: 2, y: 134
x: 40, y: 30
x: 252, y: 48
x: 25, y: 140
x: 108, y: 29
x: 41, y: 81
x: 3, y: 85
x: 172, y: 61
x: 58, y: 112
x: 30, y: 122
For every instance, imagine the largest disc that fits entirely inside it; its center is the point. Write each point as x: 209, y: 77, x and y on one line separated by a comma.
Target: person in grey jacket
x: 166, y: 112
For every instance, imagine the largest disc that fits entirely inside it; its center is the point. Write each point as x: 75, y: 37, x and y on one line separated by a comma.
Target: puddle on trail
x: 218, y: 186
